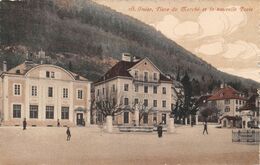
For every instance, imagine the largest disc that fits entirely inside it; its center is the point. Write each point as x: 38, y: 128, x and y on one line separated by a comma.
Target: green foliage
x: 91, y: 30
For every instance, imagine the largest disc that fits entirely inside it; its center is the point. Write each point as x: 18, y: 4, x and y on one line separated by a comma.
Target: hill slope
x: 87, y: 38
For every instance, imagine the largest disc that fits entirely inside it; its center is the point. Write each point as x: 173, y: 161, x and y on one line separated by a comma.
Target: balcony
x: 146, y: 82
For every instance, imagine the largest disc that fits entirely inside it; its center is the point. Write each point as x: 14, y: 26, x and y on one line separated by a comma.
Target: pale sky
x: 224, y: 33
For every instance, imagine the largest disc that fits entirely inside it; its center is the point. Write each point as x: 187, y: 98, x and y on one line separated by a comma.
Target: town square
x: 123, y: 82
x: 92, y: 145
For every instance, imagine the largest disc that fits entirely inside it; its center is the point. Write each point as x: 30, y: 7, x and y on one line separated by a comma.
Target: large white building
x: 135, y: 84
x: 43, y: 94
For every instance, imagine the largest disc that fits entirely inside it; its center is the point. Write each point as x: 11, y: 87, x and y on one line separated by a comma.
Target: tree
x: 177, y: 108
x: 142, y: 110
x: 207, y: 110
x: 110, y: 105
x: 187, y: 94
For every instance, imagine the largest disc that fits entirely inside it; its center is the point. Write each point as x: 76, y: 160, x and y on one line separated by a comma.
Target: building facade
x: 43, y: 94
x: 228, y: 101
x: 137, y: 86
x: 249, y: 113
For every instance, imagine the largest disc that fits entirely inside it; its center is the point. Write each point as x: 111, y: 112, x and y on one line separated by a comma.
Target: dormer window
x: 18, y: 71
x: 145, y: 76
x: 52, y: 75
x: 47, y: 74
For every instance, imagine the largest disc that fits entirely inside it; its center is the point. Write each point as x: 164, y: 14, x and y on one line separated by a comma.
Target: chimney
x: 222, y: 85
x: 4, y: 66
x: 127, y: 57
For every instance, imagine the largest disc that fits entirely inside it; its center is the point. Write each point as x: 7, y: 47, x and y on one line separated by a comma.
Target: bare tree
x: 108, y: 105
x: 142, y: 110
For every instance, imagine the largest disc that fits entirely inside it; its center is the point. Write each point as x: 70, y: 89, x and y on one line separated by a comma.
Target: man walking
x: 58, y: 123
x: 24, y: 124
x: 68, y: 134
x: 205, y: 128
x: 159, y: 130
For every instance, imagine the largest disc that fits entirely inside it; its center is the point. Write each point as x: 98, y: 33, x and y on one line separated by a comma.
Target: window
x: 227, y: 101
x: 16, y: 111
x: 145, y: 120
x: 103, y: 91
x: 52, y: 75
x: 236, y: 108
x: 34, y: 90
x: 64, y: 112
x: 80, y: 94
x: 136, y: 88
x: 164, y: 103
x: 136, y: 74
x: 49, y: 112
x: 114, y: 88
x: 155, y: 103
x: 145, y: 76
x: 33, y: 111
x: 154, y: 89
x: 136, y: 101
x: 239, y: 102
x: 236, y: 101
x: 47, y: 74
x: 163, y: 90
x: 126, y: 101
x: 145, y: 102
x: 98, y: 92
x: 145, y: 89
x: 17, y: 89
x: 126, y: 87
x: 227, y: 109
x: 65, y: 92
x: 50, y: 92
x: 164, y: 118
x: 155, y: 76
x: 126, y: 117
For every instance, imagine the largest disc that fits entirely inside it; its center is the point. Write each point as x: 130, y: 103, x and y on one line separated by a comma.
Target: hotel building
x: 134, y: 81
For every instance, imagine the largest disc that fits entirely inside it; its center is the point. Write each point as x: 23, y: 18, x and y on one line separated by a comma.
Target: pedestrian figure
x: 159, y: 130
x: 68, y: 134
x: 205, y: 128
x: 24, y: 124
x: 58, y: 123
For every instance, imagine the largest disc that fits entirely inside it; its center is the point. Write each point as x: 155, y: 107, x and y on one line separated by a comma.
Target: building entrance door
x: 79, y: 118
x: 163, y: 118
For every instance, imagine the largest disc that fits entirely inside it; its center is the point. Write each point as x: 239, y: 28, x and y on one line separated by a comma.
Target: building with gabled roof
x: 228, y: 101
x: 43, y: 94
x: 137, y: 81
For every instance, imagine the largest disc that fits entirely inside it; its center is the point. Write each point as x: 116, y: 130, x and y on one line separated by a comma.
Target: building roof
x: 23, y: 68
x: 250, y: 104
x: 121, y: 69
x: 226, y: 93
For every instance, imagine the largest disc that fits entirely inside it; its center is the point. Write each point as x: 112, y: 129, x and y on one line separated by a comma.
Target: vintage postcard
x: 120, y: 82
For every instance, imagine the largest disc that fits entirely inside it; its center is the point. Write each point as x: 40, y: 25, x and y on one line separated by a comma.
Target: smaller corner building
x: 228, y: 101
x: 43, y: 94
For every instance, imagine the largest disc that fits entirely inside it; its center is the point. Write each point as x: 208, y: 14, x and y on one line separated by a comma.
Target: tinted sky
x: 224, y: 33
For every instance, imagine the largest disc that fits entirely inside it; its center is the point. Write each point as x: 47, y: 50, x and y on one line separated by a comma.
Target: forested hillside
x: 88, y: 38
